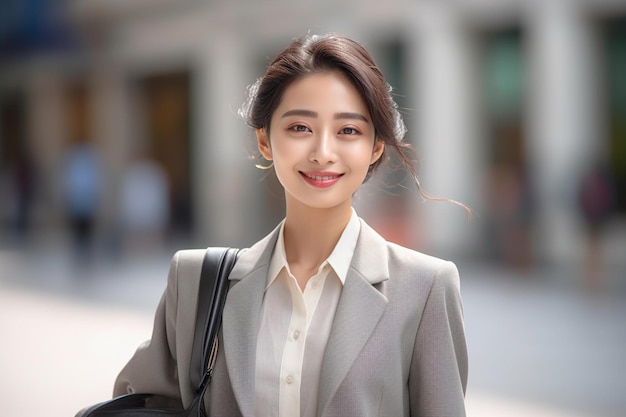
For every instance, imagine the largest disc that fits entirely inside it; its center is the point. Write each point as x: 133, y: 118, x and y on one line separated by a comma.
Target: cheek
x: 286, y: 156
x: 360, y: 155
x: 289, y: 149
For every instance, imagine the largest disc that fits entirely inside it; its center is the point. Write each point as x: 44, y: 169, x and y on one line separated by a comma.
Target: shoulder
x: 185, y: 261
x: 410, y: 258
x: 184, y: 273
x: 189, y: 255
x: 403, y: 265
x: 405, y: 262
x: 407, y: 258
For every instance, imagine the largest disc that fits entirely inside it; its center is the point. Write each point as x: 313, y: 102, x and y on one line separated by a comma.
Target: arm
x: 153, y: 368
x: 438, y: 375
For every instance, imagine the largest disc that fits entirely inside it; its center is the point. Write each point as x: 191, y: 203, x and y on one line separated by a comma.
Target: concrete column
x: 564, y: 119
x: 218, y: 150
x: 46, y: 133
x: 111, y: 117
x: 444, y: 133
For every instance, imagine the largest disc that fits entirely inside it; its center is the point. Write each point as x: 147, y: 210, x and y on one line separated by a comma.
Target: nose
x: 323, y: 149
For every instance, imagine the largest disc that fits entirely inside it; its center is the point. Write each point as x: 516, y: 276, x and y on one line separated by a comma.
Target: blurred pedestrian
x: 144, y: 204
x: 22, y: 187
x: 82, y: 189
x: 324, y: 317
x: 511, y: 209
x: 597, y: 203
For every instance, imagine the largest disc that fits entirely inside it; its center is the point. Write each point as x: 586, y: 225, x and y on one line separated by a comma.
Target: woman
x: 324, y: 317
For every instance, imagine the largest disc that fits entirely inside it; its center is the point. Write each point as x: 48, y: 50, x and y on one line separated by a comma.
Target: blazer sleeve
x: 438, y: 375
x: 153, y: 368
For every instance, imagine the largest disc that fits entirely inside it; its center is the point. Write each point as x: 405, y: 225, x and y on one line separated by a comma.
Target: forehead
x: 328, y: 91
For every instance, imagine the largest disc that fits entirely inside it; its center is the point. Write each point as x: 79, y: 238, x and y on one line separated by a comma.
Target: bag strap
x: 212, y: 290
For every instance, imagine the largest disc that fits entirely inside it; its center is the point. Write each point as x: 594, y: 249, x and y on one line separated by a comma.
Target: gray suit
x: 396, y: 348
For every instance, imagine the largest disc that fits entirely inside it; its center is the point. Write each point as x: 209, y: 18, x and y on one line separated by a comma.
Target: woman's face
x: 322, y: 141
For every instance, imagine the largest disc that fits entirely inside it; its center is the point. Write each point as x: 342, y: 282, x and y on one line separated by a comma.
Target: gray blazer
x: 396, y: 347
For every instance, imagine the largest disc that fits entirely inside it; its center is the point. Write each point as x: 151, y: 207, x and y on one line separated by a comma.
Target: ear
x: 379, y: 147
x: 263, y: 142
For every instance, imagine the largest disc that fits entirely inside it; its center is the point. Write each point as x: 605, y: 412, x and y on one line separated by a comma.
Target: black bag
x: 216, y: 267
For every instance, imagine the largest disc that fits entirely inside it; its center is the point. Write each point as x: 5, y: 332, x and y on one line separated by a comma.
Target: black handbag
x: 216, y: 267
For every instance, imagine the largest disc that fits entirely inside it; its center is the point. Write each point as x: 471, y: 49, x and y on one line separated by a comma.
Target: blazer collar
x: 360, y: 307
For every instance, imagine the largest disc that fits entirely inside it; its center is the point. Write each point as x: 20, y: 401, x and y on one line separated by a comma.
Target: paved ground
x: 539, y: 345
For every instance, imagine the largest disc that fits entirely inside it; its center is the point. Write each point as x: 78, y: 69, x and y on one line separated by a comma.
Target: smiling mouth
x: 322, y: 179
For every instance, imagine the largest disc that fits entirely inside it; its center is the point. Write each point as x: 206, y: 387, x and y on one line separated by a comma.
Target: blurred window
x: 166, y: 104
x: 615, y: 39
x: 509, y: 192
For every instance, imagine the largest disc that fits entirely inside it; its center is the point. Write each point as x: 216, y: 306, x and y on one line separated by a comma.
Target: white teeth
x: 320, y: 178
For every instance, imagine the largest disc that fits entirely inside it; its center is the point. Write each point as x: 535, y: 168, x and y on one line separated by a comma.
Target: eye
x: 349, y: 131
x: 299, y: 128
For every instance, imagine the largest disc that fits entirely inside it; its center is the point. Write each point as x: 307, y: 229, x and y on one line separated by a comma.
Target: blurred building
x: 507, y: 103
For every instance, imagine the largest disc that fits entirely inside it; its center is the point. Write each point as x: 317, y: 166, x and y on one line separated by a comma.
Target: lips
x: 321, y: 179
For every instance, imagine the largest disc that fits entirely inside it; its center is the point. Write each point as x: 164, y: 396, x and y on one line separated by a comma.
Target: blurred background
x: 120, y: 143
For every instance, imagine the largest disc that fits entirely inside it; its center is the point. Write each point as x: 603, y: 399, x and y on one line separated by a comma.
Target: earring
x: 264, y: 167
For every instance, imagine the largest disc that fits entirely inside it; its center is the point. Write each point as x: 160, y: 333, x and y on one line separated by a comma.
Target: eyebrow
x: 338, y: 116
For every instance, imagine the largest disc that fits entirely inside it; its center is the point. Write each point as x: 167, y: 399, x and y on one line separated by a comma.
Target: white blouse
x: 295, y: 326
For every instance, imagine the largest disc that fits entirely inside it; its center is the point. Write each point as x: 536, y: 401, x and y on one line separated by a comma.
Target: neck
x: 311, y: 234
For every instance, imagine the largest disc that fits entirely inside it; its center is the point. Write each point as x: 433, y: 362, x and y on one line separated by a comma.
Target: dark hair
x: 314, y: 53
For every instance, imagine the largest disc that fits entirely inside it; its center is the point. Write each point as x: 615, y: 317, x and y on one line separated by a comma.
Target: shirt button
x: 289, y: 379
x: 296, y: 334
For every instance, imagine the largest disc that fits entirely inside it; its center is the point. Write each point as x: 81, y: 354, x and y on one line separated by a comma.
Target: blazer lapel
x: 240, y: 318
x: 360, y: 308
